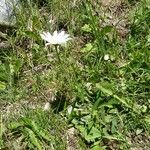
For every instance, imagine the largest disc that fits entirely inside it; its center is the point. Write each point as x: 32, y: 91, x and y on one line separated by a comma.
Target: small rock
x: 7, y: 16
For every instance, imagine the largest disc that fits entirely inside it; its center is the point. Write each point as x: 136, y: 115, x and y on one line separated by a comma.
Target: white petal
x: 66, y: 35
x: 43, y: 37
x: 55, y: 34
x: 60, y: 39
x: 62, y: 33
x: 46, y: 36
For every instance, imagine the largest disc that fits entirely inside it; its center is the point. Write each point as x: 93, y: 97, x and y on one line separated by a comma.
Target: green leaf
x: 97, y: 147
x: 96, y: 104
x: 31, y: 35
x: 124, y: 101
x: 144, y: 108
x: 114, y: 125
x: 103, y: 89
x: 41, y: 133
x: 17, y: 65
x: 2, y: 85
x: 86, y: 28
x: 112, y: 138
x: 147, y: 119
x: 93, y: 134
x: 108, y: 118
x: 88, y: 47
x: 139, y: 131
x: 106, y: 29
x: 14, y: 125
x: 33, y: 139
x: 3, y: 75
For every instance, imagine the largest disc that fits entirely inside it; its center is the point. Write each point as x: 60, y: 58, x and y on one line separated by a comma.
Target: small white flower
x: 47, y: 105
x: 55, y: 38
x: 106, y: 57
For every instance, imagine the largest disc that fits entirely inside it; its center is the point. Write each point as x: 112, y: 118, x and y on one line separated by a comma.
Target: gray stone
x: 7, y: 16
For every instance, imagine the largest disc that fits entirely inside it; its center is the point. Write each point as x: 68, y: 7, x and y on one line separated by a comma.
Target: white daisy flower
x: 55, y: 38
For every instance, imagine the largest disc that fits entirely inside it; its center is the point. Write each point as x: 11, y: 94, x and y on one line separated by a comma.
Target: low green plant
x: 37, y: 129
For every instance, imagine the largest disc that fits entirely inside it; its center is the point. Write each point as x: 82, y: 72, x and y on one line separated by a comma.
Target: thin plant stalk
x: 57, y: 49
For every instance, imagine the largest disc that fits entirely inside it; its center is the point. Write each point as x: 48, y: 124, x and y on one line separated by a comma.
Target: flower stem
x: 56, y: 48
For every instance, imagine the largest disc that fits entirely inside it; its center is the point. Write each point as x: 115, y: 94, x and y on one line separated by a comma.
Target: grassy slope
x: 109, y: 99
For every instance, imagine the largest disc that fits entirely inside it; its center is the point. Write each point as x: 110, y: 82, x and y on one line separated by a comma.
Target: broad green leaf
x: 93, y: 134
x: 104, y: 90
x: 124, y: 101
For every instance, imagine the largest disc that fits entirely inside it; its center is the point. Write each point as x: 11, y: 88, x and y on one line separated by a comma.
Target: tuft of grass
x: 36, y: 129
